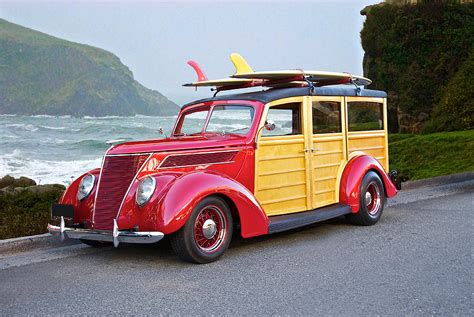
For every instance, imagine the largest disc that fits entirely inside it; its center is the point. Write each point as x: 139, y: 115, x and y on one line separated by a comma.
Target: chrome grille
x: 116, y: 175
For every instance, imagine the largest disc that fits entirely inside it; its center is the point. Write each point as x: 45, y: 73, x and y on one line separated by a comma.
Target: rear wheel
x: 207, y: 233
x: 372, y: 201
x: 96, y: 244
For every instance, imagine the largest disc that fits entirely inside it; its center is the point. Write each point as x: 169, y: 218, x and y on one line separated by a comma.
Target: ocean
x: 52, y: 149
x: 55, y: 149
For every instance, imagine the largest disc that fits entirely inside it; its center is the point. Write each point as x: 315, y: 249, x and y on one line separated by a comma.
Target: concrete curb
x: 439, y: 180
x: 47, y: 241
x: 40, y: 241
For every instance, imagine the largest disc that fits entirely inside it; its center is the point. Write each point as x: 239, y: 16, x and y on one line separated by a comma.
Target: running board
x: 300, y: 219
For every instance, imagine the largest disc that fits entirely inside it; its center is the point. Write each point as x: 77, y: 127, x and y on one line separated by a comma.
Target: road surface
x: 418, y: 260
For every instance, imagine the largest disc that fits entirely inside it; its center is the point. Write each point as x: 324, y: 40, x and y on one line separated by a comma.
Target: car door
x: 328, y: 148
x: 282, y: 181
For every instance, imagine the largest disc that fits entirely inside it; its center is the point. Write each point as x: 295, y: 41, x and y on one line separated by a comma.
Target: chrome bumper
x: 114, y: 236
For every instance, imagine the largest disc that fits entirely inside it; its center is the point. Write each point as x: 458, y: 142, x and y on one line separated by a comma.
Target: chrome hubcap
x: 373, y: 199
x: 368, y: 198
x: 209, y: 229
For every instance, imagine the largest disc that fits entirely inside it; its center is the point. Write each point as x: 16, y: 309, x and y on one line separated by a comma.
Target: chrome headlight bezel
x: 85, y: 187
x: 144, y: 194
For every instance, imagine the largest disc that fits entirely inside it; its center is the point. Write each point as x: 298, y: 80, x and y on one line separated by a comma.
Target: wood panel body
x: 295, y: 173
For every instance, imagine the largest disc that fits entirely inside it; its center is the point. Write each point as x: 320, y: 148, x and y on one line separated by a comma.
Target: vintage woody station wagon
x: 307, y: 152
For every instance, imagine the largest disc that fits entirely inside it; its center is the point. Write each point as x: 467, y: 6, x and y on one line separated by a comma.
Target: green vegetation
x: 423, y: 56
x: 25, y: 207
x: 429, y: 155
x: 41, y: 74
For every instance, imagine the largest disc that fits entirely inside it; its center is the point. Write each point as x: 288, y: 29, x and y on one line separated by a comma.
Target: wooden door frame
x: 304, y: 101
x: 343, y: 110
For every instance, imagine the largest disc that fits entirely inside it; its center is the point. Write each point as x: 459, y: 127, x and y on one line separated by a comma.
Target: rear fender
x: 186, y: 192
x: 352, y: 176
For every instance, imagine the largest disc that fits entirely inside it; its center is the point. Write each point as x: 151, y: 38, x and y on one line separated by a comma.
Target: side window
x: 326, y: 117
x: 364, y: 116
x: 287, y: 119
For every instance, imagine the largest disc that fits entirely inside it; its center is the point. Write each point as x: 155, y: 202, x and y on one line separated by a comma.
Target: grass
x: 430, y: 155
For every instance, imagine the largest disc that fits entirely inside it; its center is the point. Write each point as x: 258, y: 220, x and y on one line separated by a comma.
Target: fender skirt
x: 352, y: 177
x: 185, y: 193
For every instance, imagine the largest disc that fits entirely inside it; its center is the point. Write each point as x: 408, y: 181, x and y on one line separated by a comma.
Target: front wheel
x: 207, y: 233
x: 371, y: 202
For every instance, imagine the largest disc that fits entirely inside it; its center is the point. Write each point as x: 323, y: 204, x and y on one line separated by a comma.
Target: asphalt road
x: 418, y: 260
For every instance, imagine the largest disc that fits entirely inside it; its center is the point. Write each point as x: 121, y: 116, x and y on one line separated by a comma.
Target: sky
x: 156, y: 38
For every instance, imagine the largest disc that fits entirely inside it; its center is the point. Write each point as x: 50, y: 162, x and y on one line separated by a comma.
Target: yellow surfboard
x: 243, y: 70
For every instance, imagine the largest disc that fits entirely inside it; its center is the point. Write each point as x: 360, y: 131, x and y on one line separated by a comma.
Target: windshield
x: 223, y: 120
x: 230, y: 119
x: 193, y: 122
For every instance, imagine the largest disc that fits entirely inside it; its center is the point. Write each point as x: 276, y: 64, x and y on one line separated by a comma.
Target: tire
x: 371, y: 202
x: 207, y: 233
x: 96, y: 244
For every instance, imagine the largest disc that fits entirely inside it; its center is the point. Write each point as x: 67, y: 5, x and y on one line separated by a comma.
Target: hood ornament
x: 115, y: 141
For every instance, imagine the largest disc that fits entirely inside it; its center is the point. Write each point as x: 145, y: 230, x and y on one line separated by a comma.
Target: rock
x: 6, y: 181
x: 24, y: 182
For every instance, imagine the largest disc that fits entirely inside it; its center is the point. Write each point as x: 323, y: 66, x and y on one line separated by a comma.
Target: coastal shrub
x: 26, y: 211
x: 419, y: 55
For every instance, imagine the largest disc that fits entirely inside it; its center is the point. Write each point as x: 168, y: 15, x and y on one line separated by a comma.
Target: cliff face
x: 422, y: 55
x: 41, y: 74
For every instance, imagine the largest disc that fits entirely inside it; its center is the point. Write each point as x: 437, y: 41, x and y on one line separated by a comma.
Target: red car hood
x: 178, y: 143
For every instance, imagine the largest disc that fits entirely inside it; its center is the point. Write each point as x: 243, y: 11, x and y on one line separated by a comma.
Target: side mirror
x: 270, y: 125
x: 162, y: 132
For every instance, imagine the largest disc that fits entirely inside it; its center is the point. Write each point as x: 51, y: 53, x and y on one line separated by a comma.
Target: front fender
x: 352, y: 176
x: 82, y: 209
x: 185, y: 192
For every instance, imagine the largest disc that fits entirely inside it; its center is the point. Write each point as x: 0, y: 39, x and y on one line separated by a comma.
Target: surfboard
x: 243, y: 70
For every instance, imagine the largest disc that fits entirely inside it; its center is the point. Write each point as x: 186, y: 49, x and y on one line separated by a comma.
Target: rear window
x: 364, y: 116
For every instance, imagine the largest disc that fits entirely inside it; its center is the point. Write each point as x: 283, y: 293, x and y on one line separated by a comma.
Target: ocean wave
x: 17, y: 164
x: 48, y: 116
x: 52, y: 128
x: 22, y: 126
x: 95, y: 144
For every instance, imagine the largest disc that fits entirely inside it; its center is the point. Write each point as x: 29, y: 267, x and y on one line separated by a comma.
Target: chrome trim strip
x: 203, y: 164
x: 131, y: 154
x: 116, y: 236
x: 98, y: 183
x: 183, y: 154
x: 130, y: 186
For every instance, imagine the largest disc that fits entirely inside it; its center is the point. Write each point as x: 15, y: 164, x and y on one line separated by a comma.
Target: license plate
x: 58, y: 210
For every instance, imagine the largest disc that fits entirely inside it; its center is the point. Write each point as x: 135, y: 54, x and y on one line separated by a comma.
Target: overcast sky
x: 155, y: 39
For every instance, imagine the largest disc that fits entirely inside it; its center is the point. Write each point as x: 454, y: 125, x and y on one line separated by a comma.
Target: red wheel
x: 210, y: 229
x: 207, y: 233
x: 372, y: 201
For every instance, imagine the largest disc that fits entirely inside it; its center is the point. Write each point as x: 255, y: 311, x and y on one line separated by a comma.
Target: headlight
x: 85, y: 187
x: 145, y: 190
